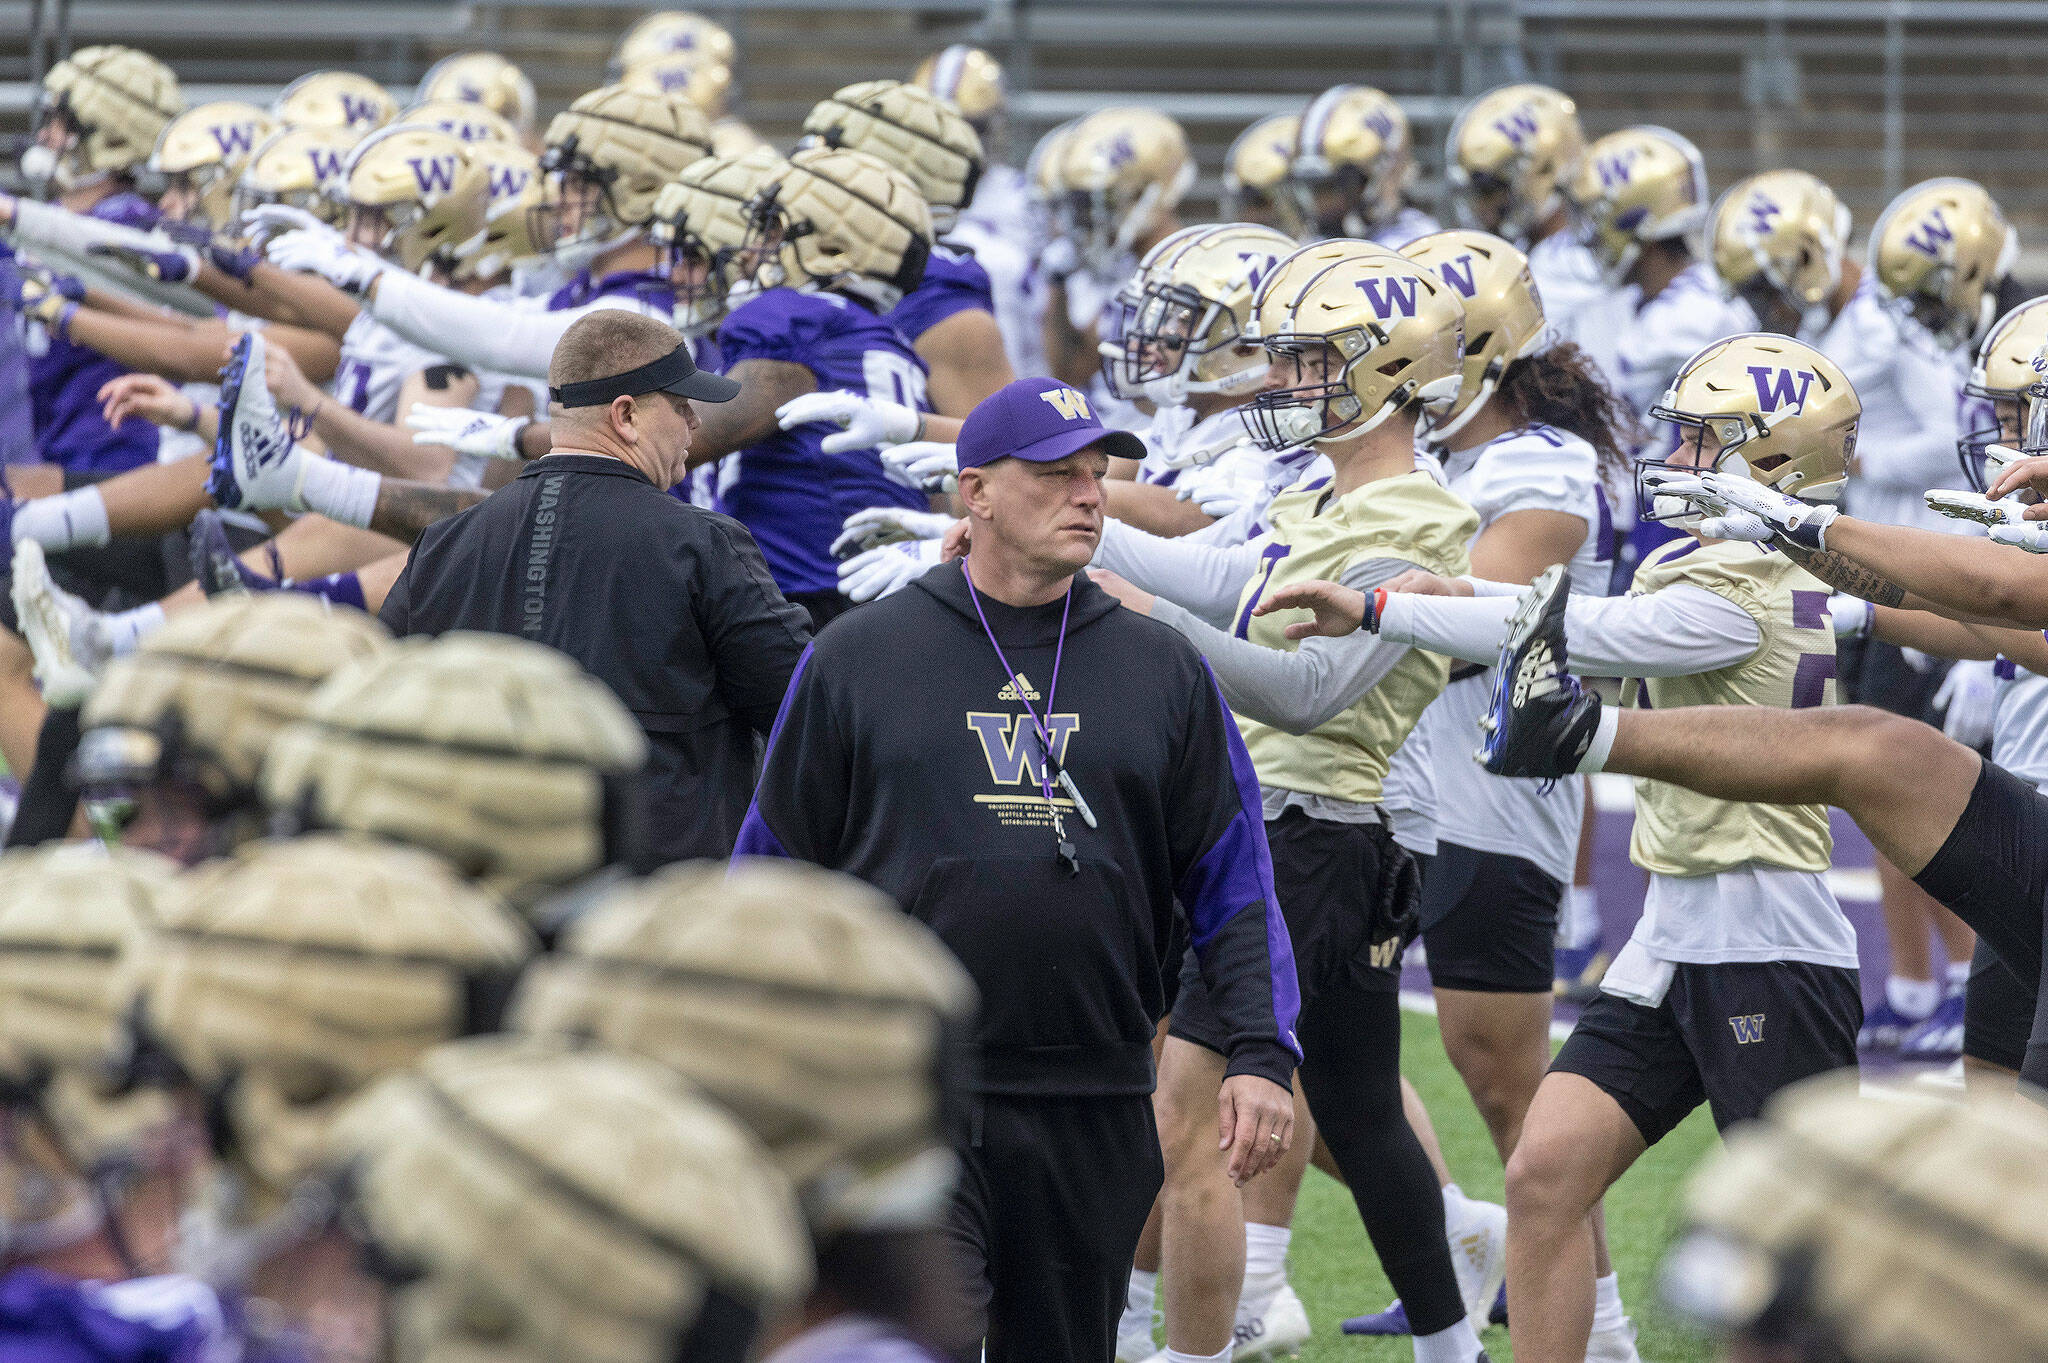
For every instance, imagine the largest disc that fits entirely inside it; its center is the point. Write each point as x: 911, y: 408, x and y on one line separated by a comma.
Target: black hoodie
x: 899, y: 757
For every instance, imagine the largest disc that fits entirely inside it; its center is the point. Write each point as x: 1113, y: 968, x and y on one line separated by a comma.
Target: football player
x: 1740, y: 922
x: 672, y: 33
x: 335, y: 99
x: 1510, y: 160
x: 1364, y: 346
x: 1255, y: 188
x: 1352, y: 163
x: 488, y: 79
x: 949, y: 318
x: 836, y: 1026
x: 1777, y: 242
x: 1934, y: 266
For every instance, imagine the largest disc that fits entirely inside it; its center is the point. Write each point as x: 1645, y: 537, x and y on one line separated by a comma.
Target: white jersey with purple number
x: 375, y: 361
x: 1639, y: 345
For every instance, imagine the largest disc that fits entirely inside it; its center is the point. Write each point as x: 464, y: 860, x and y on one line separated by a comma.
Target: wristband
x: 1378, y: 605
x: 62, y: 326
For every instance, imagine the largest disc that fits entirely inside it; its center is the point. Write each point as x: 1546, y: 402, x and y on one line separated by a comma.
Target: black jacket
x: 901, y: 755
x: 669, y: 605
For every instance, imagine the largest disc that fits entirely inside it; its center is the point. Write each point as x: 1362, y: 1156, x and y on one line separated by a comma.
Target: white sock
x: 338, y: 491
x: 69, y: 520
x: 1958, y: 976
x: 1607, y: 1312
x: 126, y: 629
x: 1138, y: 1298
x: 1175, y: 1356
x: 1265, y: 1265
x: 1911, y: 998
x: 1452, y: 1344
x: 1603, y: 740
x: 1579, y: 921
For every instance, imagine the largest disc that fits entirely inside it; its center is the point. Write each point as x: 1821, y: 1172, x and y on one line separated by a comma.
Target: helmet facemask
x: 1178, y: 343
x: 578, y: 218
x: 54, y: 161
x: 1322, y: 404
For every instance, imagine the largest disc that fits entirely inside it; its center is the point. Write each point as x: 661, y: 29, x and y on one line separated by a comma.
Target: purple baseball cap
x: 1040, y: 420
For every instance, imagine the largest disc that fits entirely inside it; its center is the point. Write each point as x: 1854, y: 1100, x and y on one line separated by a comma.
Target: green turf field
x: 1332, y: 1264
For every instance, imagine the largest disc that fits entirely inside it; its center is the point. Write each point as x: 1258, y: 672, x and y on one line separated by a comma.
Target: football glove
x: 173, y: 265
x: 45, y: 297
x: 328, y: 256
x: 1737, y: 508
x: 1850, y: 615
x: 1219, y: 489
x: 880, y: 525
x: 2031, y: 536
x: 869, y: 423
x: 1974, y: 506
x: 927, y: 465
x: 467, y: 431
x: 878, y: 572
x: 266, y: 221
x: 1967, y: 699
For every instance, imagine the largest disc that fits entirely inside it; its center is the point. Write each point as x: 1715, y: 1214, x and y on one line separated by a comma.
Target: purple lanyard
x: 1067, y: 852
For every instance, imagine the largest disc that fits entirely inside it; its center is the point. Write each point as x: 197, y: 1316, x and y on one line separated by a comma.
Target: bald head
x: 609, y: 341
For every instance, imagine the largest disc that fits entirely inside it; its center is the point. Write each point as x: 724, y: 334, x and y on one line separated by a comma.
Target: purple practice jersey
x: 953, y: 282
x: 791, y: 494
x: 64, y: 382
x: 651, y: 288
x: 48, y: 1319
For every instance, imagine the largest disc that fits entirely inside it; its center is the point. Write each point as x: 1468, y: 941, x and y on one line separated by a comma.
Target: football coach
x: 1050, y: 782
x: 585, y: 551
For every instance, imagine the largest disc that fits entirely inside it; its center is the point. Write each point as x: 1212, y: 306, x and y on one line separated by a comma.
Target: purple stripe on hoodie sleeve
x: 756, y: 838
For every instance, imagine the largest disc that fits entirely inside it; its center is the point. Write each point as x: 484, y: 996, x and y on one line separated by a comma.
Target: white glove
x: 1739, y: 508
x: 1219, y: 489
x: 870, y: 423
x: 274, y: 220
x: 1850, y: 615
x: 1968, y: 698
x: 876, y: 573
x: 2031, y: 536
x: 467, y: 431
x: 328, y: 256
x: 927, y: 465
x: 1975, y: 506
x: 879, y: 525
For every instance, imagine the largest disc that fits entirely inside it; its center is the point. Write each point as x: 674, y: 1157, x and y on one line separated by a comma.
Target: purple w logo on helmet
x: 326, y: 162
x: 1461, y: 274
x: 1763, y: 214
x: 1381, y: 122
x: 1122, y: 151
x: 1518, y: 125
x: 1390, y: 295
x: 357, y: 109
x: 1931, y: 234
x: 1614, y: 170
x: 1778, y: 388
x: 233, y: 139
x: 506, y: 181
x: 434, y: 173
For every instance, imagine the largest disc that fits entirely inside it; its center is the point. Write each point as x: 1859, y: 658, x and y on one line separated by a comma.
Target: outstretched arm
x: 1672, y: 633
x: 1958, y: 576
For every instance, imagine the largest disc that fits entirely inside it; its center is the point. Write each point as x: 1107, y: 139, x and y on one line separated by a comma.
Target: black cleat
x: 1541, y: 721
x: 215, y: 565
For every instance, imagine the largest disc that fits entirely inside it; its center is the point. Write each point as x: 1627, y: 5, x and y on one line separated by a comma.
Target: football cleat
x: 64, y: 634
x: 1136, y: 1347
x: 1884, y: 1028
x: 1392, y: 1321
x: 1617, y: 1345
x: 1939, y: 1038
x: 1540, y: 721
x: 216, y: 567
x: 1279, y: 1331
x: 1578, y: 971
x: 1479, y: 1255
x: 256, y: 464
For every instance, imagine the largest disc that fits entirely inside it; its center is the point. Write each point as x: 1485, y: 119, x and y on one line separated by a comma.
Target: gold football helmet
x: 1352, y: 160
x: 498, y: 754
x: 1510, y: 157
x: 462, y: 120
x: 1777, y: 242
x: 482, y: 78
x: 1639, y: 185
x: 549, y: 1203
x: 1781, y: 412
x: 100, y: 112
x: 607, y: 156
x: 2004, y: 375
x: 706, y: 84
x: 1940, y: 251
x: 285, y: 978
x: 1119, y: 171
x: 1865, y: 1227
x: 1368, y: 333
x: 304, y: 167
x: 335, y: 99
x: 801, y: 1000
x: 732, y: 137
x: 1503, y: 314
x: 201, y: 155
x: 1255, y: 175
x: 967, y: 78
x: 844, y: 220
x: 669, y: 33
x: 912, y: 129
x: 72, y: 918
x: 512, y: 176
x: 1187, y: 330
x: 414, y: 195
x: 702, y: 223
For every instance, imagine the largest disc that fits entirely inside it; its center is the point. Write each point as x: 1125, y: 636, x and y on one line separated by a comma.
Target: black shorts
x: 1726, y: 1035
x: 1877, y: 673
x: 1998, y: 1012
x: 1489, y: 921
x: 1340, y: 887
x: 1992, y: 870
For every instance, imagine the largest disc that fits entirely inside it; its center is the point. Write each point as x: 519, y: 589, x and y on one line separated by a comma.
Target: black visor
x: 674, y: 372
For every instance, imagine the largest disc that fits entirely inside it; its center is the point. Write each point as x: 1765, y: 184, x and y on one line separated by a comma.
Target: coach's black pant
x: 1053, y: 1196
